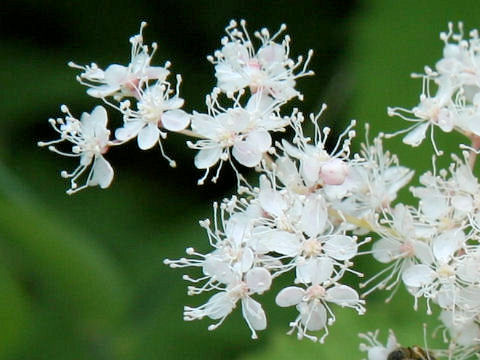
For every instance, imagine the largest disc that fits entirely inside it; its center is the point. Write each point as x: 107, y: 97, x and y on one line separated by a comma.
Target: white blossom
x: 89, y: 137
x: 119, y: 81
x: 241, y: 132
x: 312, y: 304
x: 269, y: 70
x: 376, y: 350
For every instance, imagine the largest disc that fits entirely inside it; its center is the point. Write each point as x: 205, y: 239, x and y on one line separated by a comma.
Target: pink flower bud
x: 334, y: 172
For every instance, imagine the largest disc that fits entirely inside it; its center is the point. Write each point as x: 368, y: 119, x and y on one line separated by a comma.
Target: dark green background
x: 82, y: 277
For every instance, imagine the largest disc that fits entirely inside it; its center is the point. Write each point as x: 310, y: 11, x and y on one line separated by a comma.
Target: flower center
x: 312, y: 247
x: 445, y: 271
x: 316, y: 292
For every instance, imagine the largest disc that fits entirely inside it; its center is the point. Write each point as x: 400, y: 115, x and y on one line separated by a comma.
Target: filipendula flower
x: 119, y: 81
x: 89, y: 137
x: 241, y: 132
x: 376, y: 350
x: 269, y: 70
x: 312, y: 304
x: 219, y: 306
x: 156, y: 110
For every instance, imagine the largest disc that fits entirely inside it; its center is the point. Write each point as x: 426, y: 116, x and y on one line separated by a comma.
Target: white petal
x: 99, y: 116
x: 433, y: 204
x: 217, y: 268
x: 246, y: 154
x: 94, y: 124
x: 115, y: 74
x: 423, y: 252
x: 468, y: 335
x: 129, y: 130
x: 148, y: 137
x: 462, y: 203
x: 289, y: 296
x: 235, y: 119
x: 102, y: 91
x: 229, y: 80
x: 466, y: 180
x: 246, y: 261
x: 207, y: 157
x: 259, y: 103
x: 378, y: 353
x: 342, y: 295
x: 397, y: 177
x: 468, y: 268
x: 445, y: 297
x: 272, y: 53
x: 279, y: 241
x: 385, y: 249
x: 445, y: 245
x: 418, y: 275
x: 206, y: 126
x: 292, y: 150
x: 314, y: 270
x: 254, y: 314
x: 287, y: 172
x: 175, y: 120
x: 469, y: 297
x: 173, y: 103
x: 258, y: 280
x: 219, y: 305
x: 270, y: 200
x: 416, y: 136
x: 102, y: 173
x: 236, y: 226
x: 314, y: 216
x: 157, y: 72
x: 314, y: 319
x: 260, y: 139
x: 311, y: 168
x: 341, y: 247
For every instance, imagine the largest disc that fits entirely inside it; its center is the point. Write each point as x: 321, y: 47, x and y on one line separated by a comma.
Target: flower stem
x: 473, y: 154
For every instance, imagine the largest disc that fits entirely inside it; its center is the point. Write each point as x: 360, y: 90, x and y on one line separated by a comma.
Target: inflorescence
x: 313, y: 208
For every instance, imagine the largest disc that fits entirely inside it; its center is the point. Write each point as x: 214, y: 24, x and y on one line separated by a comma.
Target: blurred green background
x: 82, y: 277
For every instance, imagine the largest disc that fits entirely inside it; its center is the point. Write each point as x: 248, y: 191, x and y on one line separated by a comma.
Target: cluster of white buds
x: 312, y: 207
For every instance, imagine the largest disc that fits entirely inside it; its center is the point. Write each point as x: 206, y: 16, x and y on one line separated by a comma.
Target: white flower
x: 317, y: 166
x: 90, y: 139
x: 219, y: 306
x: 463, y: 329
x: 269, y: 70
x: 437, y: 280
x: 372, y: 184
x: 437, y: 110
x: 118, y: 80
x: 376, y: 350
x: 403, y: 243
x: 243, y: 131
x: 315, y: 313
x: 449, y: 201
x: 156, y: 109
x: 461, y: 61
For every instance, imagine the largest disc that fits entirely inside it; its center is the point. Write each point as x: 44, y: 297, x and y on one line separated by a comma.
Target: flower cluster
x: 455, y: 104
x: 433, y: 248
x: 280, y: 226
x: 144, y: 97
x: 313, y: 207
